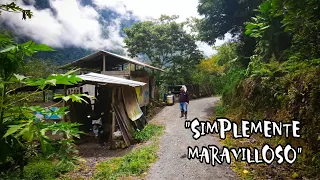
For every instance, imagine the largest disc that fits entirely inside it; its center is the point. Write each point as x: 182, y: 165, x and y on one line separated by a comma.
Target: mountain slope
x: 69, y: 53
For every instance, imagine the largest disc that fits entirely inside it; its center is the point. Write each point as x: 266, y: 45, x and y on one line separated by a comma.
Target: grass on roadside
x: 40, y: 168
x: 136, y: 162
x: 132, y: 164
x: 149, y: 131
x: 220, y: 109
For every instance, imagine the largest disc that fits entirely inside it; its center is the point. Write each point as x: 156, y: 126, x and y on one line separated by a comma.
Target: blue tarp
x: 40, y: 116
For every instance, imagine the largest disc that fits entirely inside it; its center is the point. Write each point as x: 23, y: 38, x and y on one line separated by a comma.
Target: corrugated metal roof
x: 101, y: 78
x: 132, y: 61
x: 101, y: 52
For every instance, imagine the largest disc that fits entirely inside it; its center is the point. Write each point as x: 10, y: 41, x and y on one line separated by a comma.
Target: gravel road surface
x: 173, y: 163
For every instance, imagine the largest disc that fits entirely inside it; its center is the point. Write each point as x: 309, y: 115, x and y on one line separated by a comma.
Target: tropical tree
x: 301, y: 21
x: 221, y: 17
x: 167, y: 45
x: 44, y: 68
x: 268, y: 30
x: 220, y: 73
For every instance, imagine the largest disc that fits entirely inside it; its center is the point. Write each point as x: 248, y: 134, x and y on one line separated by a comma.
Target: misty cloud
x: 151, y: 9
x: 146, y: 9
x: 67, y: 24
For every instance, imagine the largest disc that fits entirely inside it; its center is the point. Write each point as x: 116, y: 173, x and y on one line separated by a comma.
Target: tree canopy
x: 166, y: 44
x: 224, y: 16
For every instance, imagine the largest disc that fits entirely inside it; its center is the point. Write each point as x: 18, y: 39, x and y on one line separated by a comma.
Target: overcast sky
x: 77, y: 25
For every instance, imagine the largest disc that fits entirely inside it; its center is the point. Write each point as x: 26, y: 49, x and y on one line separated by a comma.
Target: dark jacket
x: 184, y: 97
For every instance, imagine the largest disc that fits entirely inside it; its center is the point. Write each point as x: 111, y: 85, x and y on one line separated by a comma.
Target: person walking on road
x: 184, y: 101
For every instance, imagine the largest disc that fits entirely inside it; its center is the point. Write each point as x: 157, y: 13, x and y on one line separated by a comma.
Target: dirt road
x: 172, y: 163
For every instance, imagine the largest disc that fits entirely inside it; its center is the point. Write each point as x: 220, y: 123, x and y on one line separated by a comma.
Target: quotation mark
x: 187, y: 124
x: 201, y: 128
x: 299, y: 150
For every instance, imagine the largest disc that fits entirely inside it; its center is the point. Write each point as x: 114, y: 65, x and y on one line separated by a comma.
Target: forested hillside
x: 270, y: 71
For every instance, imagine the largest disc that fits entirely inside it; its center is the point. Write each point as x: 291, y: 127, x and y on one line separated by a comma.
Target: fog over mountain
x: 75, y: 28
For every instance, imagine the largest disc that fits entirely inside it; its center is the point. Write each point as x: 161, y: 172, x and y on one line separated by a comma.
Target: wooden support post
x: 113, y: 124
x: 104, y: 62
x: 93, y: 106
x: 129, y: 67
x: 145, y: 110
x: 122, y: 67
x: 96, y: 91
x: 44, y: 96
x: 64, y: 102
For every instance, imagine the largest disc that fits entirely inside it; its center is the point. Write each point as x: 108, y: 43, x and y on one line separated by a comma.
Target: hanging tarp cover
x: 131, y: 103
x: 142, y: 91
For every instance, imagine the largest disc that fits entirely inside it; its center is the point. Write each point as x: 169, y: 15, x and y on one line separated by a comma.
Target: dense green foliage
x: 293, y: 83
x: 223, y: 16
x: 167, y: 45
x: 280, y: 80
x: 41, y: 170
x: 220, y: 73
x: 64, y: 55
x: 21, y: 130
x: 23, y: 134
x: 38, y: 68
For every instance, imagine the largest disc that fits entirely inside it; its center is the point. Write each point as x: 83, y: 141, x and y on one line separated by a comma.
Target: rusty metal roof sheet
x: 101, y: 78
